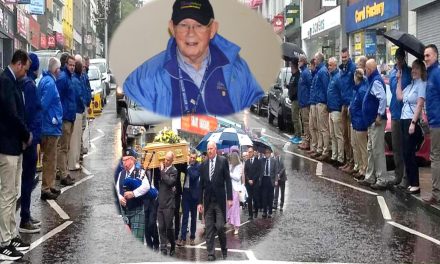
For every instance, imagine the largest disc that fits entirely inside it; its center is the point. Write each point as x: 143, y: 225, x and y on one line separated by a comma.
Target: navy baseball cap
x: 130, y: 152
x: 199, y: 10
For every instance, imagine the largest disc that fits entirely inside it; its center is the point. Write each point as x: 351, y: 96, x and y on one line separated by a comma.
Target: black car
x: 279, y: 105
x: 260, y: 106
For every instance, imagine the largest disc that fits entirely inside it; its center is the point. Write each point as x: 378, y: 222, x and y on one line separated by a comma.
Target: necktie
x: 267, y: 167
x: 211, y: 171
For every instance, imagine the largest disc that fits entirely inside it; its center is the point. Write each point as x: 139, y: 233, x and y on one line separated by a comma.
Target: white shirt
x: 211, y: 163
x: 141, y: 190
x: 236, y: 174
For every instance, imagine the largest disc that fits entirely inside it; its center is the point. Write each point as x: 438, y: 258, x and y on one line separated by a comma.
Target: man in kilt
x: 131, y: 187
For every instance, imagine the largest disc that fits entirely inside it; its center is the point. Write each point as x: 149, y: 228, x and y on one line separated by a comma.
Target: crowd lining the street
x: 53, y: 115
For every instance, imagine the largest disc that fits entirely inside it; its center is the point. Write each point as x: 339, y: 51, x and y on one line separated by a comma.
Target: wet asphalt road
x: 323, y: 221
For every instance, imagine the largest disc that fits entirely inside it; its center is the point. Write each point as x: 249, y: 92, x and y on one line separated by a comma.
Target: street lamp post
x: 106, y: 33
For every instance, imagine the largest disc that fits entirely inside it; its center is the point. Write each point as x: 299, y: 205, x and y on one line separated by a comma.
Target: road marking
x: 319, y: 169
x: 414, y: 232
x: 255, y: 117
x: 384, y: 208
x: 58, y: 209
x: 77, y: 183
x: 251, y: 255
x: 287, y: 135
x: 42, y: 239
x: 272, y: 137
x: 348, y: 185
x: 299, y: 155
x: 91, y: 151
x: 98, y: 137
x: 86, y: 171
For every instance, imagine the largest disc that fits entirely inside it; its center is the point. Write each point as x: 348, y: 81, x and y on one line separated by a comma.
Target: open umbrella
x: 261, y: 145
x: 406, y: 41
x: 225, y: 137
x: 290, y: 50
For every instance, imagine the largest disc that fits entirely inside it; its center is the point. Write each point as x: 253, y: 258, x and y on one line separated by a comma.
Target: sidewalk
x: 425, y: 188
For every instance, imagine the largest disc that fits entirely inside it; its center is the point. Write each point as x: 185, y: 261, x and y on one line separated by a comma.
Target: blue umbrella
x: 225, y: 138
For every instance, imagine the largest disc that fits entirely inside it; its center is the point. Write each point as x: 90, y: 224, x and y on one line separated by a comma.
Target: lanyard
x: 185, y: 97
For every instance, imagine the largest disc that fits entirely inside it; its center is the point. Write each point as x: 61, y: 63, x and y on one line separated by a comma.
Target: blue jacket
x: 51, y: 104
x: 347, y: 81
x: 370, y: 104
x: 396, y: 105
x: 334, y: 92
x: 87, y: 89
x: 150, y: 85
x: 194, y: 180
x: 32, y: 107
x: 357, y: 118
x: 433, y: 95
x: 67, y: 94
x: 305, y: 83
x: 78, y: 86
x: 318, y: 92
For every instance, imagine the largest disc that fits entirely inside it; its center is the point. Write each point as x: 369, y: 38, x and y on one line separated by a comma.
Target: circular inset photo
x: 195, y: 57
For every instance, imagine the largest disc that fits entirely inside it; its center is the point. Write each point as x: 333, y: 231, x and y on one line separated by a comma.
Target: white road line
x: 91, y: 151
x: 98, y: 137
x: 58, y: 209
x: 86, y: 171
x: 348, y: 185
x: 37, y: 242
x: 384, y: 208
x: 319, y: 169
x: 414, y: 232
x: 301, y: 156
x: 77, y: 183
x: 272, y: 137
x: 287, y: 135
x: 250, y: 255
x: 255, y: 117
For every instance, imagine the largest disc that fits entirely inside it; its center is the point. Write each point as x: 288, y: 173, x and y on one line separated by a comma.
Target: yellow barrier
x: 97, y: 104
x: 90, y: 111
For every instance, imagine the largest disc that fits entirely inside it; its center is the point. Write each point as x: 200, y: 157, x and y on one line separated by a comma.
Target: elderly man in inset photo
x: 199, y: 72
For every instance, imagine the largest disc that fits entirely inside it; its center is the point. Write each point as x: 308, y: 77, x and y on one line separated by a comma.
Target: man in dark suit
x: 269, y: 167
x: 252, y: 171
x: 14, y: 138
x: 165, y: 213
x: 215, y: 189
x: 190, y: 199
x: 281, y: 180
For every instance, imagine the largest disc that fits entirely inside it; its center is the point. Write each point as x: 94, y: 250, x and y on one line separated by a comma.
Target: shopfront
x: 323, y: 34
x: 366, y: 22
x: 427, y: 21
x: 6, y: 36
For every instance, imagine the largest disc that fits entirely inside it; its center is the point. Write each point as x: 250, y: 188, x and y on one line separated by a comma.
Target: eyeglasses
x: 198, y: 28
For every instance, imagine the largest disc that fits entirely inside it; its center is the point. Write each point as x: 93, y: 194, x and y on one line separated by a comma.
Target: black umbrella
x: 406, y: 41
x: 261, y: 145
x: 290, y: 50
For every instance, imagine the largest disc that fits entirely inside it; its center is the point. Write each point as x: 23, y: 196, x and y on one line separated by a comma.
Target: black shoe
x: 172, y: 252
x: 28, y: 228
x: 264, y: 215
x: 255, y: 215
x: 378, y: 187
x: 48, y: 196
x: 211, y: 258
x: 19, y: 244
x: 269, y: 216
x: 35, y: 221
x: 55, y: 191
x: 364, y: 183
x: 164, y: 252
x: 10, y: 253
x: 250, y: 218
x: 281, y: 209
x: 67, y: 181
x: 225, y: 253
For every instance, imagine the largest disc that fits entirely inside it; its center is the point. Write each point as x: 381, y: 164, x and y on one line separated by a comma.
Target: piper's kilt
x: 136, y: 221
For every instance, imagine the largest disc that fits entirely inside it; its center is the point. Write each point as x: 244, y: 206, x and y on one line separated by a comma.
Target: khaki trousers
x: 355, y: 151
x: 323, y: 128
x: 361, y: 139
x: 295, y: 119
x: 63, y: 148
x: 305, y: 115
x: 313, y: 128
x: 346, y: 132
x: 435, y: 161
x: 10, y: 185
x: 75, y: 143
x: 49, y: 150
x: 376, y: 167
x: 336, y: 136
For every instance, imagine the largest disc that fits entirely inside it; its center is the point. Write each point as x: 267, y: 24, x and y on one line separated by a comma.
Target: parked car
x: 120, y: 99
x: 423, y: 148
x: 43, y: 57
x: 101, y: 63
x: 97, y: 84
x: 278, y: 100
x: 260, y: 106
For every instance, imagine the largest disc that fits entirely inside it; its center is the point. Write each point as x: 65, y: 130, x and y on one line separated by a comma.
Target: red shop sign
x: 278, y: 23
x: 51, y: 41
x: 43, y: 41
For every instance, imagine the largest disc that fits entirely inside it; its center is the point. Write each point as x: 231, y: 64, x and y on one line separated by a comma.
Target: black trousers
x: 253, y: 200
x: 214, y: 223
x: 267, y: 194
x: 166, y: 229
x: 151, y: 232
x: 177, y: 199
x: 409, y: 151
x: 281, y: 186
x: 27, y: 181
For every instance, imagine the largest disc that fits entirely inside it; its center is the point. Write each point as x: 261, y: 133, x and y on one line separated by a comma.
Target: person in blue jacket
x: 33, y: 117
x: 88, y: 99
x: 199, y: 72
x: 52, y: 122
x: 396, y: 110
x: 347, y: 69
x: 433, y: 112
x: 318, y: 95
x: 374, y: 112
x: 305, y: 83
x: 68, y: 101
x: 334, y: 106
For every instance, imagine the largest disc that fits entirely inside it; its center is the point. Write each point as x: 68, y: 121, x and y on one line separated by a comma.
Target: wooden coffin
x: 155, y: 152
